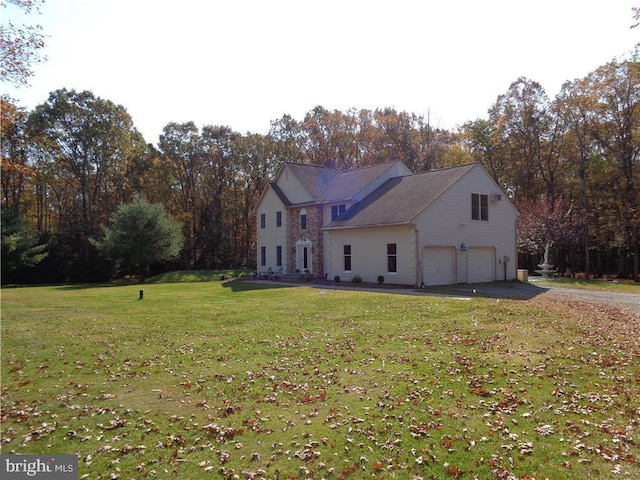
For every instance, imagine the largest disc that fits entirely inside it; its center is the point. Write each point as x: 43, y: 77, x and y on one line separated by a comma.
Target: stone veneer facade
x: 313, y: 233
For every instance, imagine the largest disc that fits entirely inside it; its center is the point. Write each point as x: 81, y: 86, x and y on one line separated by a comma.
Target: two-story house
x: 444, y: 226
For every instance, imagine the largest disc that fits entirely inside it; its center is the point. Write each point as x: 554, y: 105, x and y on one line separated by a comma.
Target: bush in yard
x: 140, y: 234
x: 336, y: 279
x: 380, y: 279
x: 356, y: 279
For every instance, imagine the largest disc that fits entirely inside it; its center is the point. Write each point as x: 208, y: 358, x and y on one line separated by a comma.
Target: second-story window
x: 263, y: 220
x: 303, y: 219
x: 479, y: 207
x: 278, y: 219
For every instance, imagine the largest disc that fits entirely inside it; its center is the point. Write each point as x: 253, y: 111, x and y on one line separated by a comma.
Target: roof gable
x: 347, y: 185
x: 325, y: 185
x: 314, y: 178
x: 401, y: 199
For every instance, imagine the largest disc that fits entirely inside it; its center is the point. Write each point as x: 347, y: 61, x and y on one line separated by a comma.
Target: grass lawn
x: 211, y: 379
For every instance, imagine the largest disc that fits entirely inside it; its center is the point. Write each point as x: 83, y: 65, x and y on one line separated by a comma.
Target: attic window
x: 479, y: 207
x: 337, y: 210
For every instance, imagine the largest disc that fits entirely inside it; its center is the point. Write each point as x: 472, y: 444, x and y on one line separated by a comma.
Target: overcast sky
x: 244, y: 63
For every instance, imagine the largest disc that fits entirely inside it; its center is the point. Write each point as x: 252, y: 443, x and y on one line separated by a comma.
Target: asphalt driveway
x: 630, y: 302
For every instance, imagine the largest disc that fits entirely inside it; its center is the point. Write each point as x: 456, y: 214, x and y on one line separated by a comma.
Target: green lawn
x: 216, y: 380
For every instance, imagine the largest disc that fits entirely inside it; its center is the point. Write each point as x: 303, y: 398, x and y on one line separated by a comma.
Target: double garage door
x: 441, y: 267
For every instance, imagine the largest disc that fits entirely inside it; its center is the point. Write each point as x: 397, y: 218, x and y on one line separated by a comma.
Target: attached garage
x: 481, y: 264
x: 439, y: 265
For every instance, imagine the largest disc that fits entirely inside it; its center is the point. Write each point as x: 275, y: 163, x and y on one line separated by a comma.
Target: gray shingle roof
x: 326, y: 185
x: 400, y: 200
x: 348, y: 184
x: 314, y: 178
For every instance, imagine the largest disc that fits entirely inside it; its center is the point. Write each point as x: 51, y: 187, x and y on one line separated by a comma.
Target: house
x: 446, y: 226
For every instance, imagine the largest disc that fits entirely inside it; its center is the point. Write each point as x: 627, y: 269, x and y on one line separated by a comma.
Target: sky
x: 246, y: 63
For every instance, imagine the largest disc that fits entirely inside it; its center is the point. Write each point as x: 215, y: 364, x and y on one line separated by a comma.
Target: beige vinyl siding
x: 369, y: 253
x: 447, y: 222
x: 292, y: 188
x: 271, y: 236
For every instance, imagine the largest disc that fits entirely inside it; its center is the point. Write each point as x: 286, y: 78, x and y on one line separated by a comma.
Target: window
x: 347, y: 258
x: 263, y: 256
x: 479, y: 207
x: 279, y: 256
x: 392, y: 258
x: 263, y: 220
x: 303, y: 219
x: 337, y: 210
x: 278, y: 219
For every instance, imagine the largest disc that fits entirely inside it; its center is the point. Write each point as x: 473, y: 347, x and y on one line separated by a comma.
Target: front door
x: 303, y: 256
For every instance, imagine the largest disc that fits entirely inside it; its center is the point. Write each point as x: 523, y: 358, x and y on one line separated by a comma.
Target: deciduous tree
x: 20, y: 45
x: 83, y: 145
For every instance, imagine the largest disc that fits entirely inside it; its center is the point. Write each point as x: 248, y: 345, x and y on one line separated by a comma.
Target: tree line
x: 569, y: 163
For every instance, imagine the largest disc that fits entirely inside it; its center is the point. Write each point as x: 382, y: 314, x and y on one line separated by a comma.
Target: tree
x: 256, y: 163
x: 217, y: 145
x: 15, y: 168
x: 85, y: 147
x: 20, y: 248
x: 140, y: 234
x: 480, y: 138
x: 576, y: 106
x: 526, y: 129
x: 20, y: 46
x: 545, y: 223
x: 180, y: 145
x: 617, y: 134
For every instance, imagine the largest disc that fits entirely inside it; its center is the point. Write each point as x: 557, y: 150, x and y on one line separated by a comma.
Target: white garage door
x: 481, y: 264
x: 438, y: 265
